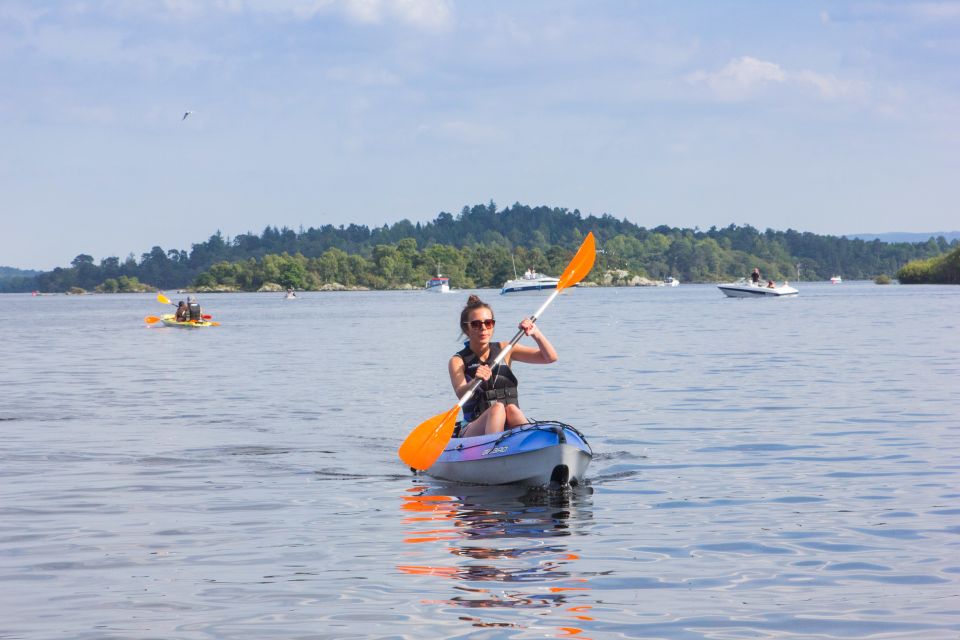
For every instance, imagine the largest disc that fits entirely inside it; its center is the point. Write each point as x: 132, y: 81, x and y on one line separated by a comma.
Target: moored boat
x: 744, y: 288
x: 169, y: 320
x: 531, y: 282
x: 440, y: 284
x: 836, y: 280
x: 670, y: 281
x: 535, y: 454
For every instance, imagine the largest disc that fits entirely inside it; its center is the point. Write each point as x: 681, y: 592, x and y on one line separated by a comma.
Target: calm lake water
x: 763, y: 469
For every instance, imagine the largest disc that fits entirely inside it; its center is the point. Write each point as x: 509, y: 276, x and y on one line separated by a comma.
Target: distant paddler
x: 194, y: 312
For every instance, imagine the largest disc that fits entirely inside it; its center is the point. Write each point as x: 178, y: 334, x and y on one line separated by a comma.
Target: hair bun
x: 474, y: 300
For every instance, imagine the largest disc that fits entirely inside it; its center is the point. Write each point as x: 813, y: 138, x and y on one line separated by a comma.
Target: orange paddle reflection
x: 434, y: 508
x: 513, y: 543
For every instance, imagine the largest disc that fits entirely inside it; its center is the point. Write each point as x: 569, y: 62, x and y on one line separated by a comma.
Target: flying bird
x: 185, y: 115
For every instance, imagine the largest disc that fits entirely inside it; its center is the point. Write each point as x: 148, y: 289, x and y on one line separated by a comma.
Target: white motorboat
x: 836, y: 280
x: 744, y: 288
x: 439, y: 284
x: 531, y: 282
x: 670, y: 281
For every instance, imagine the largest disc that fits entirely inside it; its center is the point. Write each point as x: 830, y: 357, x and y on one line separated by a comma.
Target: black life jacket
x: 501, y: 387
x: 193, y: 312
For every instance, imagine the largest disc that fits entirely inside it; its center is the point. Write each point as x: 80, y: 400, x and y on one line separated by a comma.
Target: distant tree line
x: 943, y: 269
x: 480, y: 248
x: 7, y: 273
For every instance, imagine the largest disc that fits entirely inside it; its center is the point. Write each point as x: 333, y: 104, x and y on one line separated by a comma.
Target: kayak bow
x: 535, y: 454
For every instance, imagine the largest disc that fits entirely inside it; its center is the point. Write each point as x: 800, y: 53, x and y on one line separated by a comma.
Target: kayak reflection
x: 505, y: 548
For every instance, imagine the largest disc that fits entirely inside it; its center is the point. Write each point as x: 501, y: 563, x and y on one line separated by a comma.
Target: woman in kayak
x: 493, y: 406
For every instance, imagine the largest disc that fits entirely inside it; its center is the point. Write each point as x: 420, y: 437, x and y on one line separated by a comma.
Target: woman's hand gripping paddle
x: 428, y: 439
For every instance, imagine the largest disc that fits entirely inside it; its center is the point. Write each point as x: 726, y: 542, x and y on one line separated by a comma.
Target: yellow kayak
x: 168, y: 320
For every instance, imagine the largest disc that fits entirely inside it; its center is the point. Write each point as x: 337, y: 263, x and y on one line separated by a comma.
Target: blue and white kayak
x: 535, y: 454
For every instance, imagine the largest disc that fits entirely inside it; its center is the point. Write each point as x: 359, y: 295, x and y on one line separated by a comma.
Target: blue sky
x: 831, y: 117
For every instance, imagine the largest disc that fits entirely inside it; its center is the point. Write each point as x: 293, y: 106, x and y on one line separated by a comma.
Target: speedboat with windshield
x: 744, y: 288
x: 530, y: 282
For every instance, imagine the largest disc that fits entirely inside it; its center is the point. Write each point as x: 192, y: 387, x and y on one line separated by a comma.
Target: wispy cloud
x: 421, y: 14
x: 829, y: 86
x: 465, y: 132
x: 745, y: 78
x: 922, y: 11
x: 740, y: 79
x: 424, y: 14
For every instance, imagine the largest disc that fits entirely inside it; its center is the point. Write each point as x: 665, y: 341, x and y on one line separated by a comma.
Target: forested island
x: 944, y: 269
x: 481, y: 247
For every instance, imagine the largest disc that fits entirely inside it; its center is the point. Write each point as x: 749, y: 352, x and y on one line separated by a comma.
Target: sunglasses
x: 486, y: 324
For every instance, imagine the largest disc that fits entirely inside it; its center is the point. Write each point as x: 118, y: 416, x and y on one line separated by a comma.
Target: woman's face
x: 480, y: 324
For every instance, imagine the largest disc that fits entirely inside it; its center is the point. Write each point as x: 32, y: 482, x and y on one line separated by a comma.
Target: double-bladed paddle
x: 165, y: 300
x: 162, y: 299
x: 428, y: 439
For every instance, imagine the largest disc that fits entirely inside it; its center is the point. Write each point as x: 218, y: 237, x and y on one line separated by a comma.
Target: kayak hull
x: 168, y: 320
x: 534, y: 455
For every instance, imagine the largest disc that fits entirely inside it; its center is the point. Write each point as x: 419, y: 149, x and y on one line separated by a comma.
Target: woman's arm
x: 457, y: 377
x: 543, y: 354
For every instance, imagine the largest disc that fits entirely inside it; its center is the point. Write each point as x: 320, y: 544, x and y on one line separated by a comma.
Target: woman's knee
x: 496, y: 418
x: 515, y: 416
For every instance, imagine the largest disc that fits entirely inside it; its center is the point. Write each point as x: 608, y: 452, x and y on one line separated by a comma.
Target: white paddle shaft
x: 503, y: 353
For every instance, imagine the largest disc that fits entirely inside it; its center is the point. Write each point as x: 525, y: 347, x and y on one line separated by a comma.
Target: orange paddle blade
x: 163, y: 299
x: 151, y: 319
x: 581, y: 264
x: 426, y: 442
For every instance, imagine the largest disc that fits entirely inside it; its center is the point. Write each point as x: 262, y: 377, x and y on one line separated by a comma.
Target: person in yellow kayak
x: 494, y: 406
x: 194, y: 312
x: 183, y: 312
